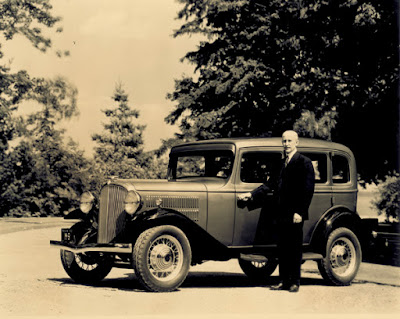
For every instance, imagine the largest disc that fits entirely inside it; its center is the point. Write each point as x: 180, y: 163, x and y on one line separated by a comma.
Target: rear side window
x: 340, y: 169
x: 319, y: 161
x: 257, y: 167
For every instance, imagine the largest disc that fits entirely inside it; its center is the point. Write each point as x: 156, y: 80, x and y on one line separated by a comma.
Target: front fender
x: 203, y: 245
x: 78, y: 214
x: 332, y: 219
x: 80, y: 230
x: 162, y: 216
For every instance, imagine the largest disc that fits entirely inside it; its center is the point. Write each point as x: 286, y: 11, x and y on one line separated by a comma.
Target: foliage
x: 388, y: 201
x: 42, y: 184
x: 25, y: 17
x: 119, y: 150
x: 267, y: 66
x: 41, y: 175
x: 156, y: 166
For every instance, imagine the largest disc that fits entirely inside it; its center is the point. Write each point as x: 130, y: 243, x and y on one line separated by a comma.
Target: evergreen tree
x: 119, y: 150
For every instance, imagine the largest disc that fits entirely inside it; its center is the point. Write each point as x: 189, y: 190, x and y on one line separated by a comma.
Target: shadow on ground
x: 205, y: 280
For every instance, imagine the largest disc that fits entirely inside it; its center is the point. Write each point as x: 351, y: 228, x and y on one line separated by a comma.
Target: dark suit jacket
x: 293, y: 188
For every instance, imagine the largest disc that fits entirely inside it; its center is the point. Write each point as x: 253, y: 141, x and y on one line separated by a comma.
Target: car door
x: 322, y: 198
x: 344, y: 181
x: 254, y: 226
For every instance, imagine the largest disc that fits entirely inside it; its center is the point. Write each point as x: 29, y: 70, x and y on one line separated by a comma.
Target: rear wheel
x: 257, y: 270
x: 161, y: 258
x: 342, y: 258
x: 86, y: 268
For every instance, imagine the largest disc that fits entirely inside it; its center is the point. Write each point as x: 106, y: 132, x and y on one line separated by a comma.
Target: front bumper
x: 105, y: 248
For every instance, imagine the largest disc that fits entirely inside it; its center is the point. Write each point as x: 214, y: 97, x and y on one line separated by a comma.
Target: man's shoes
x: 294, y: 288
x: 280, y: 286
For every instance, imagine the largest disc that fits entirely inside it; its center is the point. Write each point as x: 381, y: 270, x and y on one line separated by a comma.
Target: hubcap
x: 165, y: 258
x: 343, y: 257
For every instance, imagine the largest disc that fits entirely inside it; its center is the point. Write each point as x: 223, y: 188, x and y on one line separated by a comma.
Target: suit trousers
x: 290, y: 244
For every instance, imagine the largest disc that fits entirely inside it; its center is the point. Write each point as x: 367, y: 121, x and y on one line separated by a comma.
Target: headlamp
x: 132, y: 202
x: 86, y: 200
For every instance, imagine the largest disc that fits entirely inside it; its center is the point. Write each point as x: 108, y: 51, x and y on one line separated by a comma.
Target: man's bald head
x: 290, y: 140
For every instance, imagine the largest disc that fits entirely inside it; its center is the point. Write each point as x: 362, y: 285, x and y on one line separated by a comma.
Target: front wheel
x: 258, y: 271
x: 161, y: 258
x: 85, y: 268
x: 342, y: 258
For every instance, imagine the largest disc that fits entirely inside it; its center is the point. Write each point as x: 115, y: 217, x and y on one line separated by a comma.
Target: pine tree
x: 119, y: 150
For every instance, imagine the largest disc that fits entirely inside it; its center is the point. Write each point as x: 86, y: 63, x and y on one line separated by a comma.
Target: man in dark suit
x: 293, y: 190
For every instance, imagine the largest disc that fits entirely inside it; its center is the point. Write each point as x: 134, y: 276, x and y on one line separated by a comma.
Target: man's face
x: 289, y: 141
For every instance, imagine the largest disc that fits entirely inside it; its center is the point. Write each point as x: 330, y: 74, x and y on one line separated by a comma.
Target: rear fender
x: 335, y: 217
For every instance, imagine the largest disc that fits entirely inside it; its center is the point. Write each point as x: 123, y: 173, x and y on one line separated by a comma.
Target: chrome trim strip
x: 107, y: 248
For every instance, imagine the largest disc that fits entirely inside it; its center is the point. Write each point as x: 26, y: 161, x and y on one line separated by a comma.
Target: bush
x: 388, y: 201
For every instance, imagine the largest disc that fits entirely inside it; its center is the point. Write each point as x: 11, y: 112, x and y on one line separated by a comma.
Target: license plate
x: 66, y: 235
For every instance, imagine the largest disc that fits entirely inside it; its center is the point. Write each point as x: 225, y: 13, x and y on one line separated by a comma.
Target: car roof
x: 241, y: 142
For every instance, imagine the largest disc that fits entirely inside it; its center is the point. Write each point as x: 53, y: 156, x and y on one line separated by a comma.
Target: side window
x: 340, y: 169
x: 257, y: 167
x: 319, y: 161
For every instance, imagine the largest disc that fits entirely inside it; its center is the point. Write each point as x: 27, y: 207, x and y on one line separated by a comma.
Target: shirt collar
x: 290, y: 155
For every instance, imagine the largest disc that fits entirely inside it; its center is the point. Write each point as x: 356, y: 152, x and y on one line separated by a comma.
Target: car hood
x: 187, y: 185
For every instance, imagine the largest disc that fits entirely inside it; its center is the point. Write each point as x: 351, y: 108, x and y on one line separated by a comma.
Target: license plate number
x: 66, y: 234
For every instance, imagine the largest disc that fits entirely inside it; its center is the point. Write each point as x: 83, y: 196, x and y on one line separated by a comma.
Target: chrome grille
x: 186, y: 205
x: 112, y: 213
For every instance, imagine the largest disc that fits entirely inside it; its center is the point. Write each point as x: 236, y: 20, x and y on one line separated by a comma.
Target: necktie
x: 286, y: 160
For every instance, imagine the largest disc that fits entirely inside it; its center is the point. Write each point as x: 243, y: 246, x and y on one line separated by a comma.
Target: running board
x: 261, y: 258
x: 255, y: 258
x: 312, y: 256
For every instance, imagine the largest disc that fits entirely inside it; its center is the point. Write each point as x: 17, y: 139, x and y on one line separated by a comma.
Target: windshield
x: 213, y: 163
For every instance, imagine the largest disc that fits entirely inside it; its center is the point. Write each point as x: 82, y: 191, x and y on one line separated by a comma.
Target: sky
x: 110, y: 42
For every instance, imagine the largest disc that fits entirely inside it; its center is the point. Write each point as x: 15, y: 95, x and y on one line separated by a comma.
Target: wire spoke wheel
x: 85, y: 262
x: 161, y: 258
x: 165, y: 258
x: 258, y: 270
x: 87, y: 268
x: 342, y: 258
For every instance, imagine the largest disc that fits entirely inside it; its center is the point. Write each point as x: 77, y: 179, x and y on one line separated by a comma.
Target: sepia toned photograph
x: 200, y: 158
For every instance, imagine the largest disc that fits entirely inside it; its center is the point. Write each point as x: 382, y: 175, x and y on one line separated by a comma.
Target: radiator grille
x: 186, y: 205
x: 112, y: 214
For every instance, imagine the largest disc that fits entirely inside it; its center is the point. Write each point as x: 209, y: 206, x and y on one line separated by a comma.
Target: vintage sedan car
x: 159, y: 228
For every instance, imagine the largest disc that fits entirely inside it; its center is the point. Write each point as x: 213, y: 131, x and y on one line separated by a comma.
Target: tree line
x: 328, y: 69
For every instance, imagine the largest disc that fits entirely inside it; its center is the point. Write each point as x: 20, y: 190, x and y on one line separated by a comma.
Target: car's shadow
x: 193, y: 280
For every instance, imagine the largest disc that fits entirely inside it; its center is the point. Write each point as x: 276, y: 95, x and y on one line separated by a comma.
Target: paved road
x: 33, y: 283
